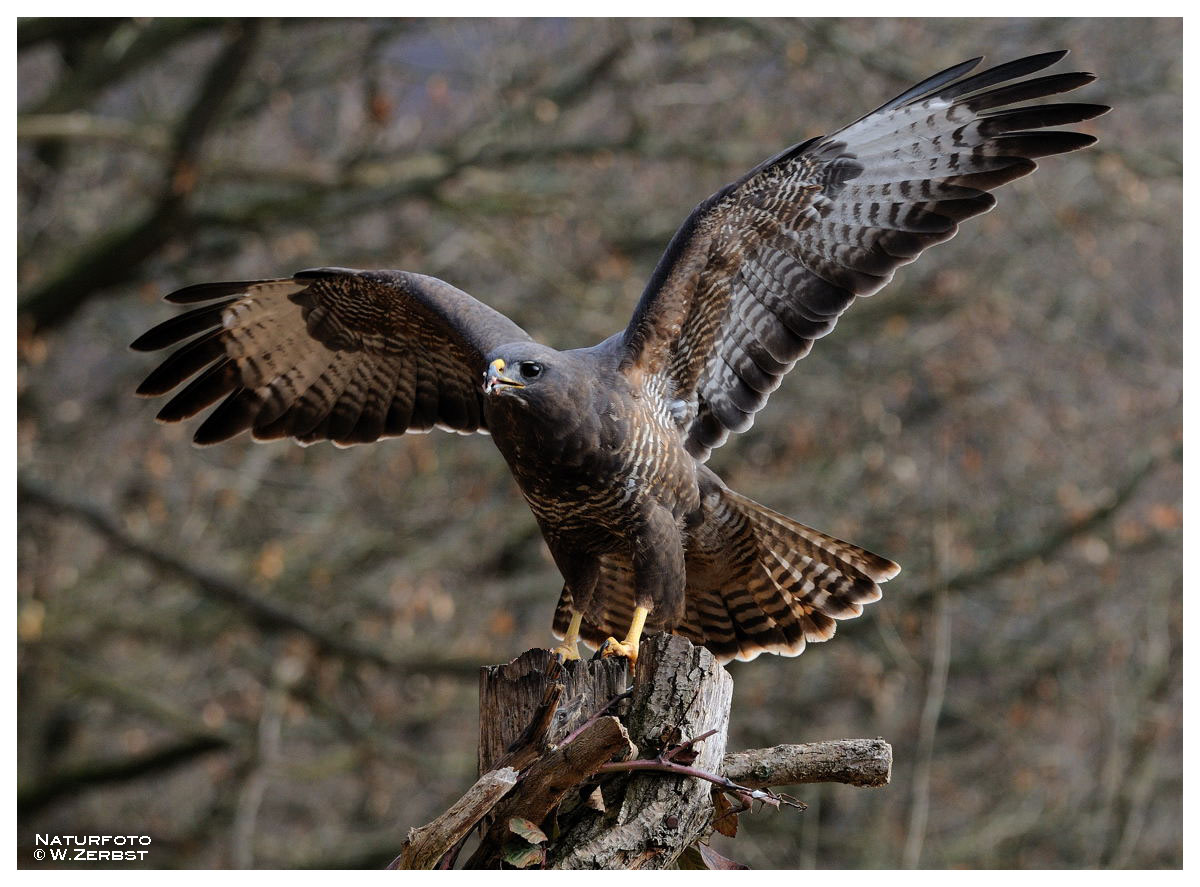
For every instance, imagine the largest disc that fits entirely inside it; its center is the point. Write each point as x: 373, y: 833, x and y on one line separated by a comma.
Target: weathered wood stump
x: 511, y: 694
x: 580, y: 771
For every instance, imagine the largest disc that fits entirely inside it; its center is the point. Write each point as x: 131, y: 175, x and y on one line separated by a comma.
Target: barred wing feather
x: 766, y: 266
x: 328, y: 354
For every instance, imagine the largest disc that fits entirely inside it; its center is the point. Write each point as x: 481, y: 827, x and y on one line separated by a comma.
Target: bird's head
x: 536, y: 398
x: 524, y: 371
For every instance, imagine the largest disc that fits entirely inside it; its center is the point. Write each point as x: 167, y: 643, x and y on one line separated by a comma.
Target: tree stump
x: 641, y: 820
x: 579, y: 771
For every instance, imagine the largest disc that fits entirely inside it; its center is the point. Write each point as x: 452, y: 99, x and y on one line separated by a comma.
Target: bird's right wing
x: 328, y: 354
x: 767, y: 265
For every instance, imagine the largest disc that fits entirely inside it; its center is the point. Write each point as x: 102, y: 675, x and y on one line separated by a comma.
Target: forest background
x: 263, y: 655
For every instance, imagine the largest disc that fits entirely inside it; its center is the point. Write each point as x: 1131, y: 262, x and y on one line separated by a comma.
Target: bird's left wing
x: 327, y: 354
x: 767, y: 265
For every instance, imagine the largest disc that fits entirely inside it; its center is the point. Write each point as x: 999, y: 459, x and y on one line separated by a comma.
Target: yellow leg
x: 569, y: 648
x: 629, y: 646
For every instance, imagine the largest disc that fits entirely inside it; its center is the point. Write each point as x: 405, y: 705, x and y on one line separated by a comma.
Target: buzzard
x: 608, y: 444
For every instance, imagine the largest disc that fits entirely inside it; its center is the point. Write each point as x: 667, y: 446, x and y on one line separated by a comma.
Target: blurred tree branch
x: 261, y: 767
x: 931, y: 713
x: 1146, y: 756
x: 371, y: 184
x: 198, y: 740
x: 97, y: 773
x: 90, y: 681
x: 86, y: 680
x: 1049, y: 542
x: 33, y: 32
x: 371, y: 180
x: 357, y: 184
x: 83, y: 126
x: 116, y: 256
x: 140, y: 44
x: 265, y: 614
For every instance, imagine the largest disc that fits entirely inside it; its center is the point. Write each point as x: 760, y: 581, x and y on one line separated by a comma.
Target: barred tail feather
x: 826, y: 548
x: 760, y: 582
x: 757, y: 582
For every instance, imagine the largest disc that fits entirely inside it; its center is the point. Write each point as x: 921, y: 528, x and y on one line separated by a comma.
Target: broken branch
x: 866, y: 763
x: 429, y: 843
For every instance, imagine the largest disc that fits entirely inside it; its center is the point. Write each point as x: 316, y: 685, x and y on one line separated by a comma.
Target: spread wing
x: 328, y: 354
x: 767, y: 265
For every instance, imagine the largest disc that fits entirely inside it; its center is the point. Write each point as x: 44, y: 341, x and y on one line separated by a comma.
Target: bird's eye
x: 530, y: 369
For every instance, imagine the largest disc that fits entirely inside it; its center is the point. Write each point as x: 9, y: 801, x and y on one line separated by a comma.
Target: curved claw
x: 566, y: 651
x: 628, y: 647
x: 613, y: 647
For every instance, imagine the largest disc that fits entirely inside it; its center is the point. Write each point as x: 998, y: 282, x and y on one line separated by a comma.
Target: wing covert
x: 328, y: 354
x: 766, y: 266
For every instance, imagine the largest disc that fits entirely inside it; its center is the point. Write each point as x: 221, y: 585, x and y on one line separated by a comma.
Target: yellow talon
x: 613, y: 647
x: 628, y: 647
x: 565, y: 651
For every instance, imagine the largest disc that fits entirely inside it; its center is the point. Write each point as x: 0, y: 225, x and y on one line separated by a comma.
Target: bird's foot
x: 565, y: 651
x: 613, y: 647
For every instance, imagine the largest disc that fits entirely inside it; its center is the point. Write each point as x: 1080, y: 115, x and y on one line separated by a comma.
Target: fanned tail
x: 760, y: 582
x: 757, y: 582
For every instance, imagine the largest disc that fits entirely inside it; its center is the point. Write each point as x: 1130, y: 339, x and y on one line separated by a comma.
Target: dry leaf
x: 726, y: 820
x: 527, y: 830
x: 522, y: 856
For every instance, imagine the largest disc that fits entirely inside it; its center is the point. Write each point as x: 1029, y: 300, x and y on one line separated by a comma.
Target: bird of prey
x: 608, y: 444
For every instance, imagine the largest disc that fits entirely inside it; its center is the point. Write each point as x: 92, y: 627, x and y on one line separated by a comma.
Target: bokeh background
x: 263, y: 655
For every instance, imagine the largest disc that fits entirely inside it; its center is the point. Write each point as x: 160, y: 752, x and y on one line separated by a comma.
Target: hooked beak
x: 495, y: 380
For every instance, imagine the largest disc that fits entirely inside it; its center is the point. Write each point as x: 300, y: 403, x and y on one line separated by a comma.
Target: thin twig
x: 661, y: 765
x: 675, y: 751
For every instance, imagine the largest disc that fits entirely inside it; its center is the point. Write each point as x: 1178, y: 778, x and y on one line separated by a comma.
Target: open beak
x: 495, y: 380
